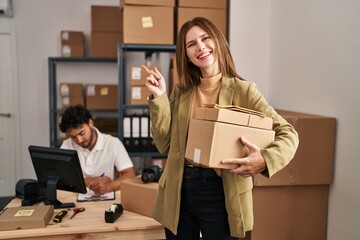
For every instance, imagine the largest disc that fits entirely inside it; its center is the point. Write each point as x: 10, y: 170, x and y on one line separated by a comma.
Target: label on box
x: 65, y: 36
x: 197, y: 155
x: 66, y: 51
x: 64, y: 90
x: 24, y: 213
x: 147, y: 22
x: 104, y: 91
x: 136, y: 73
x: 66, y: 101
x: 136, y: 93
x: 90, y: 90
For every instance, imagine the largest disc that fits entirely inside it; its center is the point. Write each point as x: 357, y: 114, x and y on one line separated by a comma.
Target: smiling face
x: 201, y: 51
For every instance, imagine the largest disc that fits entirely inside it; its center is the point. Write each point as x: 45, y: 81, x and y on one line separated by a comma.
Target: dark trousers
x: 202, y: 207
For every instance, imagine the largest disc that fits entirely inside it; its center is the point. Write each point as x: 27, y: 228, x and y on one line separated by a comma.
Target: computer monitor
x: 57, y: 169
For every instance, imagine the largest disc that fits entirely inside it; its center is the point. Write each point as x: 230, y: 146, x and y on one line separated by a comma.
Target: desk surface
x: 90, y: 224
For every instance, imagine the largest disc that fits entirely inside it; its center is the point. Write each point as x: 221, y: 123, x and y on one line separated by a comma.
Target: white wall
x: 249, y: 40
x: 315, y: 67
x: 303, y: 55
x: 311, y: 64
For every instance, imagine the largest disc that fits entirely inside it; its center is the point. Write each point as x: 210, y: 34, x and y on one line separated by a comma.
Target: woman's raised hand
x: 155, y: 82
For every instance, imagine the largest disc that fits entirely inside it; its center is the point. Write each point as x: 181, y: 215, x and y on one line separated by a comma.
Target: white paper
x: 92, y: 196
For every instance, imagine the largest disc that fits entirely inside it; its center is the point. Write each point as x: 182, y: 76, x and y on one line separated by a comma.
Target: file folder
x: 135, y: 133
x: 127, y: 133
x: 144, y: 134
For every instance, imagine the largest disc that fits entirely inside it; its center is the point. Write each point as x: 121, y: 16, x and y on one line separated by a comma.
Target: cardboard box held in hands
x: 215, y: 132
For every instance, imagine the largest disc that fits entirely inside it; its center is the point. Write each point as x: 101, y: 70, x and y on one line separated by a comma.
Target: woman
x: 192, y: 199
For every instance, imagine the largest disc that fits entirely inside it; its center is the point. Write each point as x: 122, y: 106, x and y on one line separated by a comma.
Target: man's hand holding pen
x: 100, y: 185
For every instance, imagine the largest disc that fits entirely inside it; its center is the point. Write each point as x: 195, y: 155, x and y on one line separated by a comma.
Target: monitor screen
x: 57, y: 169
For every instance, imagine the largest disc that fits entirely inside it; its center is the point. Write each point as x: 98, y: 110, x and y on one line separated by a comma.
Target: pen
x: 99, y: 179
x: 101, y: 176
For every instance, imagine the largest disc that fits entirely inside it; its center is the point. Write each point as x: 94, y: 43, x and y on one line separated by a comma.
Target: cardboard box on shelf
x: 173, y: 77
x: 210, y: 141
x: 107, y: 125
x: 73, y: 51
x: 220, y: 4
x: 148, y: 24
x: 138, y: 197
x: 169, y: 3
x: 308, y: 166
x: 106, y: 19
x: 71, y: 94
x: 102, y: 96
x: 72, y: 101
x: 71, y: 89
x: 139, y: 95
x: 138, y: 75
x: 14, y: 218
x: 217, y: 16
x: 72, y: 44
x: 72, y: 38
x: 105, y: 44
x: 290, y: 212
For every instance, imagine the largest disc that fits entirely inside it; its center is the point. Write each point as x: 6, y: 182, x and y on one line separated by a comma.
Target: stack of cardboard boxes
x: 138, y: 91
x: 293, y: 204
x: 106, y: 31
x: 92, y: 96
x: 215, y: 131
x: 148, y: 21
x: 102, y: 96
x: 214, y: 10
x: 72, y: 44
x: 140, y: 22
x: 134, y: 22
x: 71, y: 94
x: 173, y: 77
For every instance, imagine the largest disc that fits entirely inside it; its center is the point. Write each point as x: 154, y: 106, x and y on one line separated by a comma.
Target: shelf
x: 54, y: 111
x: 148, y: 49
x: 55, y: 60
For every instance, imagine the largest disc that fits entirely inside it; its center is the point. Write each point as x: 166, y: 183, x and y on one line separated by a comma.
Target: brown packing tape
x: 234, y: 108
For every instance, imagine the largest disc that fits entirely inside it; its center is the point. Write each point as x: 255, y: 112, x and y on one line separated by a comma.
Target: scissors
x: 77, y: 210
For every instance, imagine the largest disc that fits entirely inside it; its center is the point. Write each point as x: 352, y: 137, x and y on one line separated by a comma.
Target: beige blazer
x: 170, y: 121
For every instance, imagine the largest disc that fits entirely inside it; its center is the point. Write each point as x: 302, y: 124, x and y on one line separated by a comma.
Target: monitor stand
x: 50, y: 197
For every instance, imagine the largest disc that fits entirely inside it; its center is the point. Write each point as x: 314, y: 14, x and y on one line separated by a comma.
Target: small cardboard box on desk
x: 138, y: 197
x: 29, y: 217
x: 215, y: 131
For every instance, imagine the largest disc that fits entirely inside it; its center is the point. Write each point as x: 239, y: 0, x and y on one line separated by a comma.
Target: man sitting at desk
x: 99, y: 154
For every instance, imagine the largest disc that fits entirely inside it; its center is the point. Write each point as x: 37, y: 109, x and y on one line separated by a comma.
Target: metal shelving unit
x: 123, y: 107
x: 54, y: 111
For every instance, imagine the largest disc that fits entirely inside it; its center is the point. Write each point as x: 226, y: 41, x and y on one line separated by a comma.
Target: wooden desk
x: 90, y: 224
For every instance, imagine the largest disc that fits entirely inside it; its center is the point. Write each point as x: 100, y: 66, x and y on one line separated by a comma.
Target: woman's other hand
x: 250, y: 165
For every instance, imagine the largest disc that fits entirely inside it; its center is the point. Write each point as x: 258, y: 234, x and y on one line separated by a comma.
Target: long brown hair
x: 189, y: 74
